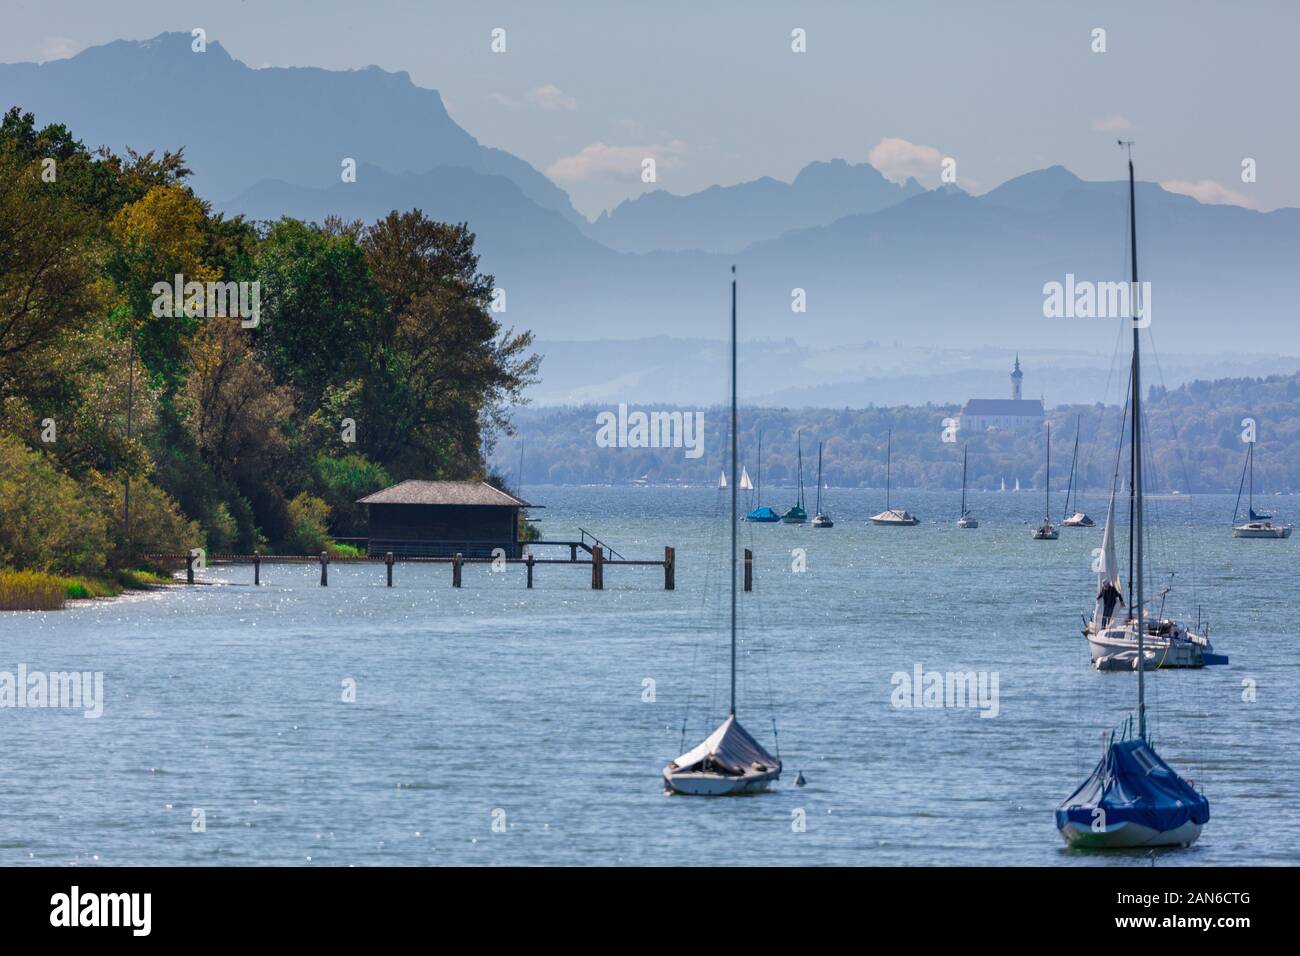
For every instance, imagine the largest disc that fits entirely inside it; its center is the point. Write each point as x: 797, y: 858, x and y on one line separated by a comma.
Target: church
x: 1012, y: 414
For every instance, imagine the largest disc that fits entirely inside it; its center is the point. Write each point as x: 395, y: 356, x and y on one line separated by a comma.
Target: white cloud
x: 57, y: 48
x: 602, y: 161
x: 1111, y: 123
x: 548, y: 96
x: 1209, y: 192
x: 897, y: 159
x: 551, y: 97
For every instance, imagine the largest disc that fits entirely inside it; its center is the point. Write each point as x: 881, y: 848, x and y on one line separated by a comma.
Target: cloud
x: 897, y: 159
x: 548, y: 96
x: 1208, y: 191
x: 602, y: 161
x: 57, y: 48
x: 1111, y: 123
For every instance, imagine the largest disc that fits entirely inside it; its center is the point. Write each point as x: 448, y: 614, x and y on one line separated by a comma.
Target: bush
x: 308, y: 525
x: 49, y: 522
x: 340, y: 482
x: 157, y: 523
x: 31, y: 591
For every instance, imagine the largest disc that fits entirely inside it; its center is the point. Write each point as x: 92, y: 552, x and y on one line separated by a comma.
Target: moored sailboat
x: 729, y: 761
x: 761, y: 513
x: 821, y: 520
x: 896, y: 517
x: 1256, y: 525
x: 797, y: 514
x: 1133, y: 798
x: 967, y: 520
x: 1078, y: 519
x: 1046, y: 531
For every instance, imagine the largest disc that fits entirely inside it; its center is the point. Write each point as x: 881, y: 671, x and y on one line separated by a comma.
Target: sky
x: 714, y: 92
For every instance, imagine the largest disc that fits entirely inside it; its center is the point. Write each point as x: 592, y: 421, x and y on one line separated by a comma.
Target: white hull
x: 1128, y: 836
x: 821, y: 521
x: 1078, y: 520
x: 968, y: 522
x: 706, y: 784
x: 1045, y: 533
x: 1257, y: 529
x: 899, y: 519
x: 1180, y: 649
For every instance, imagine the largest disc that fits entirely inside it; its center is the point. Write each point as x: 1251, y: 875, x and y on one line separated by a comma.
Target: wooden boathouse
x: 440, y: 519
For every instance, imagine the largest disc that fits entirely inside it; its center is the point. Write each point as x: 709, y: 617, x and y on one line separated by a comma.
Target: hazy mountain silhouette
x: 240, y: 125
x: 728, y: 218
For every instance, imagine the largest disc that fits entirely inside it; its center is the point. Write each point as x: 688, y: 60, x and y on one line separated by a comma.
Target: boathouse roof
x: 416, y: 492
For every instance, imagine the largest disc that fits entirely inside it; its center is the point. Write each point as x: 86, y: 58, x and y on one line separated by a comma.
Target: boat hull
x: 1179, y: 652
x: 1128, y: 835
x: 968, y: 523
x: 1045, y: 533
x: 821, y: 521
x: 705, y: 784
x: 895, y: 519
x: 1264, y: 531
x: 1078, y: 521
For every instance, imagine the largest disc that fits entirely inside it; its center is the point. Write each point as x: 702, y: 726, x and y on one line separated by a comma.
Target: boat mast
x: 798, y: 437
x: 1136, y: 490
x: 1047, y: 515
x: 819, y: 477
x: 1074, y: 463
x: 964, y: 449
x: 889, y: 454
x: 734, y: 483
x: 1250, y: 487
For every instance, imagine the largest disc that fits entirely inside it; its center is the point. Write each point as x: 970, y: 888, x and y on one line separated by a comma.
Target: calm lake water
x: 531, y: 708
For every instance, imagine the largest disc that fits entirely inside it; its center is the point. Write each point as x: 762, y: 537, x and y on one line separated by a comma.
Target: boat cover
x: 763, y: 514
x: 1133, y: 785
x: 730, y: 749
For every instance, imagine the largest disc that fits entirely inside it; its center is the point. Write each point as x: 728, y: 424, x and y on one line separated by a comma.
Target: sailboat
x: 1256, y: 525
x: 1133, y: 798
x: 892, y: 516
x: 796, y: 514
x: 821, y: 520
x: 1004, y: 485
x: 762, y: 514
x: 967, y: 520
x: 1017, y: 487
x: 1046, y: 531
x: 729, y: 761
x: 1078, y: 519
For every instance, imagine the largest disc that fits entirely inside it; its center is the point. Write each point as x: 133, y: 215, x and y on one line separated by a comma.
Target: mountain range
x: 875, y: 260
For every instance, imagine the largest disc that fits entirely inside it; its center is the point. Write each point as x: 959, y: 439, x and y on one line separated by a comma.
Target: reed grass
x: 38, y: 591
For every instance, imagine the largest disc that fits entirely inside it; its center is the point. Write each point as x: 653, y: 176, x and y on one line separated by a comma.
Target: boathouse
x: 437, y: 519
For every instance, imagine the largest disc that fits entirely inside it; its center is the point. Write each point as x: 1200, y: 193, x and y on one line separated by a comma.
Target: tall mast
x: 819, y: 477
x: 1074, y: 464
x: 734, y: 457
x: 1136, y: 490
x: 889, y: 455
x: 798, y: 437
x: 1250, y: 465
x: 965, y: 448
x: 1047, y: 515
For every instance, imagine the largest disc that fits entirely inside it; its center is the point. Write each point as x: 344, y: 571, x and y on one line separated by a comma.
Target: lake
x: 497, y: 725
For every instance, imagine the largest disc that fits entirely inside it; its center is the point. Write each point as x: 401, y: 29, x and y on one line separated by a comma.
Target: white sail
x: 722, y: 479
x: 1108, y: 570
x: 745, y: 483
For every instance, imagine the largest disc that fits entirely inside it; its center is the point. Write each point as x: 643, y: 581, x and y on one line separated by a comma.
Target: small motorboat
x: 895, y: 516
x: 1078, y: 520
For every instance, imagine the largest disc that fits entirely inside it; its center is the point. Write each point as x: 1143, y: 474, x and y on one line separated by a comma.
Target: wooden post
x: 573, y: 552
x: 530, y: 572
x: 670, y: 569
x: 189, y: 568
x: 598, y: 568
x: 388, y: 560
x: 257, y: 568
x: 749, y: 570
x: 324, y: 569
x: 455, y: 570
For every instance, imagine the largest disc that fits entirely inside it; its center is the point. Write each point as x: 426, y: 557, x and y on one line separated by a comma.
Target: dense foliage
x: 374, y: 357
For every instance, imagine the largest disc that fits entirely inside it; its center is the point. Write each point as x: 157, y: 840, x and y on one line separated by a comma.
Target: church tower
x: 1017, y: 377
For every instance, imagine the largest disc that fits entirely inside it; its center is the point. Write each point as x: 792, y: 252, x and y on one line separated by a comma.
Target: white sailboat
x: 897, y: 517
x: 1255, y: 525
x: 820, y: 520
x: 729, y: 761
x: 1133, y: 798
x: 1046, y: 531
x: 967, y: 520
x: 1078, y: 519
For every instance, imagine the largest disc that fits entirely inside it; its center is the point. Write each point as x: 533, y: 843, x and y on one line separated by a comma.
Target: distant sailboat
x: 729, y: 761
x: 821, y: 520
x: 797, y: 515
x: 1046, y: 531
x: 1004, y: 485
x: 761, y: 514
x: 892, y: 516
x: 1017, y: 488
x: 967, y: 520
x: 1078, y: 519
x: 1133, y: 798
x: 1256, y: 525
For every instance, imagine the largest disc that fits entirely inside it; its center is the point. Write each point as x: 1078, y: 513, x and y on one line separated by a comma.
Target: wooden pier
x: 598, y: 562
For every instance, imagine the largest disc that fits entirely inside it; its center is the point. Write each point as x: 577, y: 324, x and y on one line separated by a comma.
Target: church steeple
x: 1016, y: 377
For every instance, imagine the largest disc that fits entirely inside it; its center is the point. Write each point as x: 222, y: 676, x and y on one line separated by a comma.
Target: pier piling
x: 670, y: 568
x: 456, y: 562
x: 749, y: 570
x: 388, y: 560
x: 189, y: 568
x: 324, y: 569
x: 257, y: 569
x: 598, y: 568
x: 530, y: 572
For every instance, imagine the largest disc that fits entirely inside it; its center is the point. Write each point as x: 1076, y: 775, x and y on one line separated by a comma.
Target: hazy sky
x: 585, y: 90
